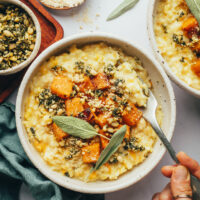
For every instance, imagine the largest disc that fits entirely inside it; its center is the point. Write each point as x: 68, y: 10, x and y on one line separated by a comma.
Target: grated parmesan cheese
x: 62, y: 3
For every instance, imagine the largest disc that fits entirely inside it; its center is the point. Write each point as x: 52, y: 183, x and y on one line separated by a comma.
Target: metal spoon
x: 150, y: 115
x: 60, y: 8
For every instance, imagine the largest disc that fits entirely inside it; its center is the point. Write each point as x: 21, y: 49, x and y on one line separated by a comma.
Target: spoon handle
x: 164, y: 140
x: 195, y: 183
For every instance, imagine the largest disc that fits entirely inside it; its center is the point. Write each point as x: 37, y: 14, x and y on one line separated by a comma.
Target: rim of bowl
x: 24, y: 64
x: 26, y: 144
x: 157, y: 54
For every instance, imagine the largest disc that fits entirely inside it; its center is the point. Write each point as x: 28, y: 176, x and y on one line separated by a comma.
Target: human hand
x: 180, y: 179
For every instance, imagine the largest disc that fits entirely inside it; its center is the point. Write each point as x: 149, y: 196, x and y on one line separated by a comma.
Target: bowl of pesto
x: 20, y: 36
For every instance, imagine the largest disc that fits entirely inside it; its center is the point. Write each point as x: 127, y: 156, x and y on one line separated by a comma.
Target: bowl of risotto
x: 174, y: 37
x: 78, y: 113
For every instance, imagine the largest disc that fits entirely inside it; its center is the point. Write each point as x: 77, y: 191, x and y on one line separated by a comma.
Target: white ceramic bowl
x: 24, y: 64
x: 162, y: 90
x: 156, y: 51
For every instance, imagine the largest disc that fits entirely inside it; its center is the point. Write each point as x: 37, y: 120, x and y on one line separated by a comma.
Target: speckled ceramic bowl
x: 156, y: 51
x: 162, y: 90
x: 24, y: 64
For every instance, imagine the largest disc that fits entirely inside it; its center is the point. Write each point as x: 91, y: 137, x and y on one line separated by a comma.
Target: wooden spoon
x: 60, y: 8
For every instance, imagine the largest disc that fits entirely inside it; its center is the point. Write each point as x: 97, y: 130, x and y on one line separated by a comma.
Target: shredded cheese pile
x: 62, y: 3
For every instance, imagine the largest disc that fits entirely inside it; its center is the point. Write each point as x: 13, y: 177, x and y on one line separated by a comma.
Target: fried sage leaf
x: 76, y: 127
x: 194, y: 6
x: 111, y: 148
x: 122, y: 8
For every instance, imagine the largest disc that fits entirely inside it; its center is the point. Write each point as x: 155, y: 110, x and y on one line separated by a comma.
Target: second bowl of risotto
x: 174, y: 36
x: 78, y: 113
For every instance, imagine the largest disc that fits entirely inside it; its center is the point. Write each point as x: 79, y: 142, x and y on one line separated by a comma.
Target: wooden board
x: 51, y: 30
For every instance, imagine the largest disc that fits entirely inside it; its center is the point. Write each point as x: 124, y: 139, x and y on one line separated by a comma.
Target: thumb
x: 180, y: 183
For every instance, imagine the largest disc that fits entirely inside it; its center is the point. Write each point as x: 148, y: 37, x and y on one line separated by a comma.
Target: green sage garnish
x: 76, y: 127
x: 122, y: 8
x: 194, y: 6
x: 111, y: 148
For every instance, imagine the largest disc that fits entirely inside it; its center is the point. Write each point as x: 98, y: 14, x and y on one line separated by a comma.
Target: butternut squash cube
x: 91, y: 153
x: 104, y: 141
x: 86, y: 85
x: 102, y: 119
x: 58, y: 132
x: 131, y: 117
x: 100, y: 81
x: 73, y: 106
x: 128, y: 131
x: 189, y: 23
x: 62, y: 86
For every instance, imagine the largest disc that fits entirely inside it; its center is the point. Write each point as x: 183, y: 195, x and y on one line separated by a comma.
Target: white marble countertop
x: 132, y: 25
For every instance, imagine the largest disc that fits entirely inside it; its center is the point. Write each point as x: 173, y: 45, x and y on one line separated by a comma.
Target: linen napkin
x: 16, y: 168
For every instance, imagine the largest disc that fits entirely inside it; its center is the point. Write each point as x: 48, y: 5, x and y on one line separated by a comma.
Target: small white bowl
x: 156, y: 51
x: 24, y: 64
x: 61, y: 8
x: 162, y: 90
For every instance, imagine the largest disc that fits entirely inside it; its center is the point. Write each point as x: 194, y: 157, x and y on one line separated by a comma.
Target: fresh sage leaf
x: 122, y: 8
x: 76, y: 127
x: 194, y: 6
x: 111, y: 148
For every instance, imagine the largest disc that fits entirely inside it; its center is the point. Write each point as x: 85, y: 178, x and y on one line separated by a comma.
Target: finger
x: 167, y: 171
x: 166, y: 194
x: 156, y: 196
x: 180, y: 182
x: 188, y: 162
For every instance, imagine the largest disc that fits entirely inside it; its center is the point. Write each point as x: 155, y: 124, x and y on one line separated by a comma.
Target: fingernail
x: 155, y: 196
x: 181, y: 173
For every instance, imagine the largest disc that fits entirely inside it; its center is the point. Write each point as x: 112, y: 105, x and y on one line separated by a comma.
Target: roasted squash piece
x: 61, y: 86
x: 131, y: 117
x: 196, y: 68
x: 102, y: 119
x: 104, y: 141
x: 91, y: 153
x: 58, y: 132
x: 189, y: 23
x: 100, y: 81
x: 127, y: 135
x: 73, y: 106
x: 86, y: 85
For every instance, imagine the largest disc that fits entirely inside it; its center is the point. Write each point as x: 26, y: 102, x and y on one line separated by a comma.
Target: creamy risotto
x: 178, y: 38
x: 103, y: 86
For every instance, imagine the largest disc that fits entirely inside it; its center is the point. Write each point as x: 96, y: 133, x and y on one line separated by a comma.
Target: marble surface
x: 132, y: 25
